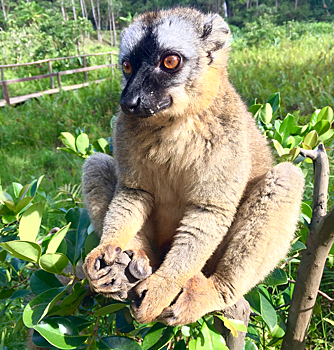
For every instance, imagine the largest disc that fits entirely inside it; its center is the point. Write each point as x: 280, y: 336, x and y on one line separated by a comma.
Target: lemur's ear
x: 215, y: 32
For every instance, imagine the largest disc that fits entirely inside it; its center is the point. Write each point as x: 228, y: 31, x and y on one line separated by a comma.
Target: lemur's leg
x: 110, y: 271
x: 259, y: 237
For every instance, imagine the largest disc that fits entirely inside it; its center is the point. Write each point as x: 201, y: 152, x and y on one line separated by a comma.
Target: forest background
x: 282, y: 64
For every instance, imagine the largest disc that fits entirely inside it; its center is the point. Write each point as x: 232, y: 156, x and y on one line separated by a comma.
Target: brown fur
x: 196, y: 193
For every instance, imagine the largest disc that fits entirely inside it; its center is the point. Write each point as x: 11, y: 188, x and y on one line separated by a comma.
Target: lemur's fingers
x: 198, y: 297
x: 139, y: 266
x: 154, y: 294
x: 98, y: 262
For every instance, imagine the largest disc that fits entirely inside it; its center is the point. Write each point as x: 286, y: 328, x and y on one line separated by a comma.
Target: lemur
x: 191, y: 195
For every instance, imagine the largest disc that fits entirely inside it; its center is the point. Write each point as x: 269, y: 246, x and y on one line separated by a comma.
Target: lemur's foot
x: 114, y: 273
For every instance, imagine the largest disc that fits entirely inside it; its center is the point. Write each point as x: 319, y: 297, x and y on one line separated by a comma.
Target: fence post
x: 51, y: 77
x: 112, y: 64
x: 84, y: 65
x: 5, y: 92
x: 59, y: 80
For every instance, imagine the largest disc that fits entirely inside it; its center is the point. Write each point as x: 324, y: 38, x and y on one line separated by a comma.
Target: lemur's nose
x: 130, y: 105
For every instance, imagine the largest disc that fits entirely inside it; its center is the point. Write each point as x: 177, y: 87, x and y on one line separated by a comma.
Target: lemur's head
x: 172, y: 61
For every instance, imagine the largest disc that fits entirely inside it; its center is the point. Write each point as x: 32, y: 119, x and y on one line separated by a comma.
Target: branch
x: 318, y: 243
x: 326, y: 296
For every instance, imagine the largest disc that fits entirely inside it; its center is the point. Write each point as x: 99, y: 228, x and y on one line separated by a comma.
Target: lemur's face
x: 162, y: 58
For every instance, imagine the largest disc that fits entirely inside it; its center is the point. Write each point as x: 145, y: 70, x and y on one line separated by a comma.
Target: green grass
x: 301, y: 70
x: 29, y: 133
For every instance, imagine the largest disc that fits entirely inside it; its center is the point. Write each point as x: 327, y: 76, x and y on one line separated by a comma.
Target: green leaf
x: 92, y: 241
x: 41, y: 281
x: 30, y: 222
x: 82, y: 143
x: 297, y: 246
x: 329, y: 321
x: 325, y: 114
x: 185, y: 330
x: 153, y: 335
x: 68, y: 140
x: 294, y: 153
x: 233, y: 325
x: 249, y: 345
x: 265, y: 113
x: 278, y: 148
x: 60, y: 332
x: 268, y: 312
x: 17, y: 187
x: 279, y: 329
x: 327, y: 135
x: 274, y: 101
x: 40, y: 341
x: 67, y: 150
x: 287, y: 126
x: 53, y: 263
x: 77, y: 234
x: 314, y: 117
x: 124, y: 321
x: 276, y: 278
x: 23, y: 192
x: 28, y: 251
x: 192, y: 344
x: 3, y: 254
x: 253, y: 297
x: 23, y: 203
x: 109, y: 309
x: 102, y: 145
x: 77, y: 291
x: 4, y: 196
x: 290, y: 142
x: 118, y: 343
x: 180, y: 345
x: 254, y: 108
x: 56, y: 239
x: 10, y: 205
x: 210, y: 339
x: 322, y: 127
x: 38, y: 307
x: 166, y: 337
x: 34, y: 185
x: 311, y: 139
x: 307, y: 210
x: 252, y: 333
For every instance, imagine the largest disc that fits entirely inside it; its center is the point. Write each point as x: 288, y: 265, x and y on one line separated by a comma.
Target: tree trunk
x: 114, y: 26
x: 225, y: 9
x: 63, y: 9
x: 296, y: 4
x: 3, y: 10
x: 96, y: 21
x: 217, y: 6
x: 319, y: 242
x: 99, y: 36
x: 276, y: 3
x: 74, y: 13
x: 110, y: 25
x: 82, y: 9
x: 247, y: 4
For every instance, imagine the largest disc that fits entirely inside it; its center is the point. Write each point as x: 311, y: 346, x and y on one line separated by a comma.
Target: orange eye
x: 171, y: 61
x: 127, y: 69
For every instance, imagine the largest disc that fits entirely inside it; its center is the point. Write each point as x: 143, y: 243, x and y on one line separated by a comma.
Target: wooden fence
x: 51, y: 75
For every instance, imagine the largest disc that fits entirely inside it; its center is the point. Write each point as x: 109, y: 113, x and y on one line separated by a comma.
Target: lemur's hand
x: 114, y: 273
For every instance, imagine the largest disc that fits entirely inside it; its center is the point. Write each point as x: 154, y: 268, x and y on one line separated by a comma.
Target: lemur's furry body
x: 191, y: 191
